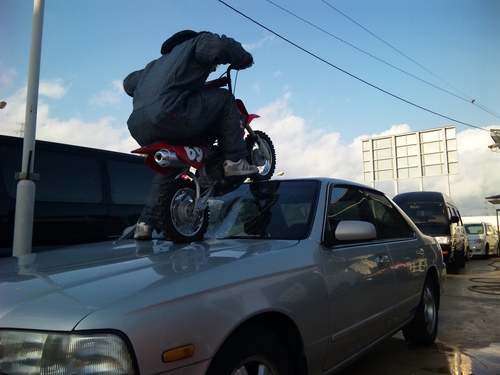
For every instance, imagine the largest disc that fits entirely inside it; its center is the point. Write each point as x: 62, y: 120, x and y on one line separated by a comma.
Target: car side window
x: 389, y: 221
x: 450, y: 211
x: 63, y: 177
x: 130, y: 183
x: 347, y: 203
x: 354, y: 203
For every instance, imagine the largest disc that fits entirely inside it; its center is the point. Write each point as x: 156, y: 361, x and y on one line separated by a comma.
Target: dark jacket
x: 160, y: 88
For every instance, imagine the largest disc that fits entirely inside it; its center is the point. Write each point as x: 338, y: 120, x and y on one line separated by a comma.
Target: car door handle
x: 382, y: 261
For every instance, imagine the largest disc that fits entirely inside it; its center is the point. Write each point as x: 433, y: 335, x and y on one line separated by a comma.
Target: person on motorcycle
x: 170, y: 104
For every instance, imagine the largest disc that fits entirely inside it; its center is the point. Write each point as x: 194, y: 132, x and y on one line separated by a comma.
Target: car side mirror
x: 350, y: 230
x: 454, y: 219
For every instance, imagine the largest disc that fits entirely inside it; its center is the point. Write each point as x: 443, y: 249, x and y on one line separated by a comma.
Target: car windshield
x: 271, y: 209
x: 430, y: 217
x: 474, y: 228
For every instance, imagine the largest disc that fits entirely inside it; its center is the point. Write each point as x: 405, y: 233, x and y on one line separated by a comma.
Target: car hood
x: 56, y: 289
x: 476, y: 237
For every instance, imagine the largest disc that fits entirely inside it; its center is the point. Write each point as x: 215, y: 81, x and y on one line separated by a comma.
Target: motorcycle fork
x: 262, y: 148
x: 201, y: 200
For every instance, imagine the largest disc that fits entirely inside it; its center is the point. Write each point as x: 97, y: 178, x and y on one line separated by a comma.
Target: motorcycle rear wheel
x: 266, y: 165
x: 176, y: 217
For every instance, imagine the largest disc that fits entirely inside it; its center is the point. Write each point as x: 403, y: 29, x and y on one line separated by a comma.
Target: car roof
x: 332, y: 180
x: 423, y: 196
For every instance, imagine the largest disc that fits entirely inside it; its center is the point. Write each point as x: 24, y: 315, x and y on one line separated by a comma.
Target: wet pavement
x: 468, y: 341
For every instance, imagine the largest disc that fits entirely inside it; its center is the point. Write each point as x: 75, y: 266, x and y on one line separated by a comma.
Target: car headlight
x: 443, y: 240
x: 26, y: 352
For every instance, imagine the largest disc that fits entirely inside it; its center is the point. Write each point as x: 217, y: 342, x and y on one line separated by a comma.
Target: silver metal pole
x: 25, y: 198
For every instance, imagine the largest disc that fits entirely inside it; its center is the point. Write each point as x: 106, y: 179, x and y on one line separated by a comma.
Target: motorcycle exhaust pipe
x: 168, y: 158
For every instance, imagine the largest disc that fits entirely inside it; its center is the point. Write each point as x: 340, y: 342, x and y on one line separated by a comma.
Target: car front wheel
x: 253, y: 351
x: 462, y: 258
x: 422, y: 330
x: 176, y: 210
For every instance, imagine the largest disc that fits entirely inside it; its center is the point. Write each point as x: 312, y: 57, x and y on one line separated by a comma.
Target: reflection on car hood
x: 54, y: 290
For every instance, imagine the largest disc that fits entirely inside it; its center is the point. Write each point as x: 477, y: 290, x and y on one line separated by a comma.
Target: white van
x: 483, y: 239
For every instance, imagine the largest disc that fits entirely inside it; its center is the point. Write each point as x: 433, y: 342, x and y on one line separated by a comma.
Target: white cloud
x: 7, y: 77
x: 302, y: 150
x: 477, y: 177
x: 266, y: 41
x: 14, y: 113
x: 99, y: 134
x: 53, y: 89
x: 104, y: 133
x: 305, y: 151
x: 111, y: 96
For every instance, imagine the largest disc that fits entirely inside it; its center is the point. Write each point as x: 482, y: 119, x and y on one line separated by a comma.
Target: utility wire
x: 346, y: 72
x: 467, y: 98
x: 366, y: 53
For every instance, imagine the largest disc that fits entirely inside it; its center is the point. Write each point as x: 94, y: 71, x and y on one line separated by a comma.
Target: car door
x: 359, y: 277
x: 408, y: 252
x: 491, y: 238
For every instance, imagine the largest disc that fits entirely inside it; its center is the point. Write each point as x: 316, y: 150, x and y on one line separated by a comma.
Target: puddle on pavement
x: 482, y: 361
x: 395, y: 356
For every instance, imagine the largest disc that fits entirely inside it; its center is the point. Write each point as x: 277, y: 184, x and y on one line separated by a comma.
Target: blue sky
x: 315, y: 113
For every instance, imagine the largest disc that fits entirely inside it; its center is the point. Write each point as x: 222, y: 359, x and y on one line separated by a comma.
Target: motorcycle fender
x: 242, y: 109
x: 192, y: 155
x: 152, y: 164
x: 151, y: 149
x: 251, y: 117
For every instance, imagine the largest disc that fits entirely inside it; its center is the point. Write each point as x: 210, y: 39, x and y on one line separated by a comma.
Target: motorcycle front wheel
x: 266, y: 165
x: 177, y: 218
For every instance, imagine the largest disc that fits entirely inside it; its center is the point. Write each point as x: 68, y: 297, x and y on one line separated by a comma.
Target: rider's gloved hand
x: 247, y: 62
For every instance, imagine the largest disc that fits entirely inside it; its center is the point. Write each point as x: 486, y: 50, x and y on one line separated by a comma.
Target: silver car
x: 294, y: 277
x: 483, y: 239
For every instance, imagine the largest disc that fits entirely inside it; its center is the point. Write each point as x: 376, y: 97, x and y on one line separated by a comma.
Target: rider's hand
x: 250, y: 63
x: 247, y: 62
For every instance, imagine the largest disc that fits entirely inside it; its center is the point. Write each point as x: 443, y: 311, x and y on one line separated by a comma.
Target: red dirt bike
x: 197, y: 174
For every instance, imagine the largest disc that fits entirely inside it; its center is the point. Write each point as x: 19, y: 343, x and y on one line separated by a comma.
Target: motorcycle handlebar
x: 222, y: 81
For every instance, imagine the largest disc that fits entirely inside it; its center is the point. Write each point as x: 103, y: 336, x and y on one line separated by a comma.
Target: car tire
x: 254, y: 350
x: 453, y: 266
x: 422, y: 330
x: 487, y: 251
x: 461, y: 259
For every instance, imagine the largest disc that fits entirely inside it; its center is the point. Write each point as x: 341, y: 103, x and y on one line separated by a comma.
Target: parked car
x: 436, y: 215
x: 82, y: 195
x: 293, y: 277
x: 483, y: 239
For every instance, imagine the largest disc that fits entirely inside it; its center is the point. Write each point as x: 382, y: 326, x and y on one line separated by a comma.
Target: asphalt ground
x: 468, y: 340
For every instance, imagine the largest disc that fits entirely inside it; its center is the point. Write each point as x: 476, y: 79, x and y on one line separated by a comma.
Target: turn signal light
x: 176, y: 354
